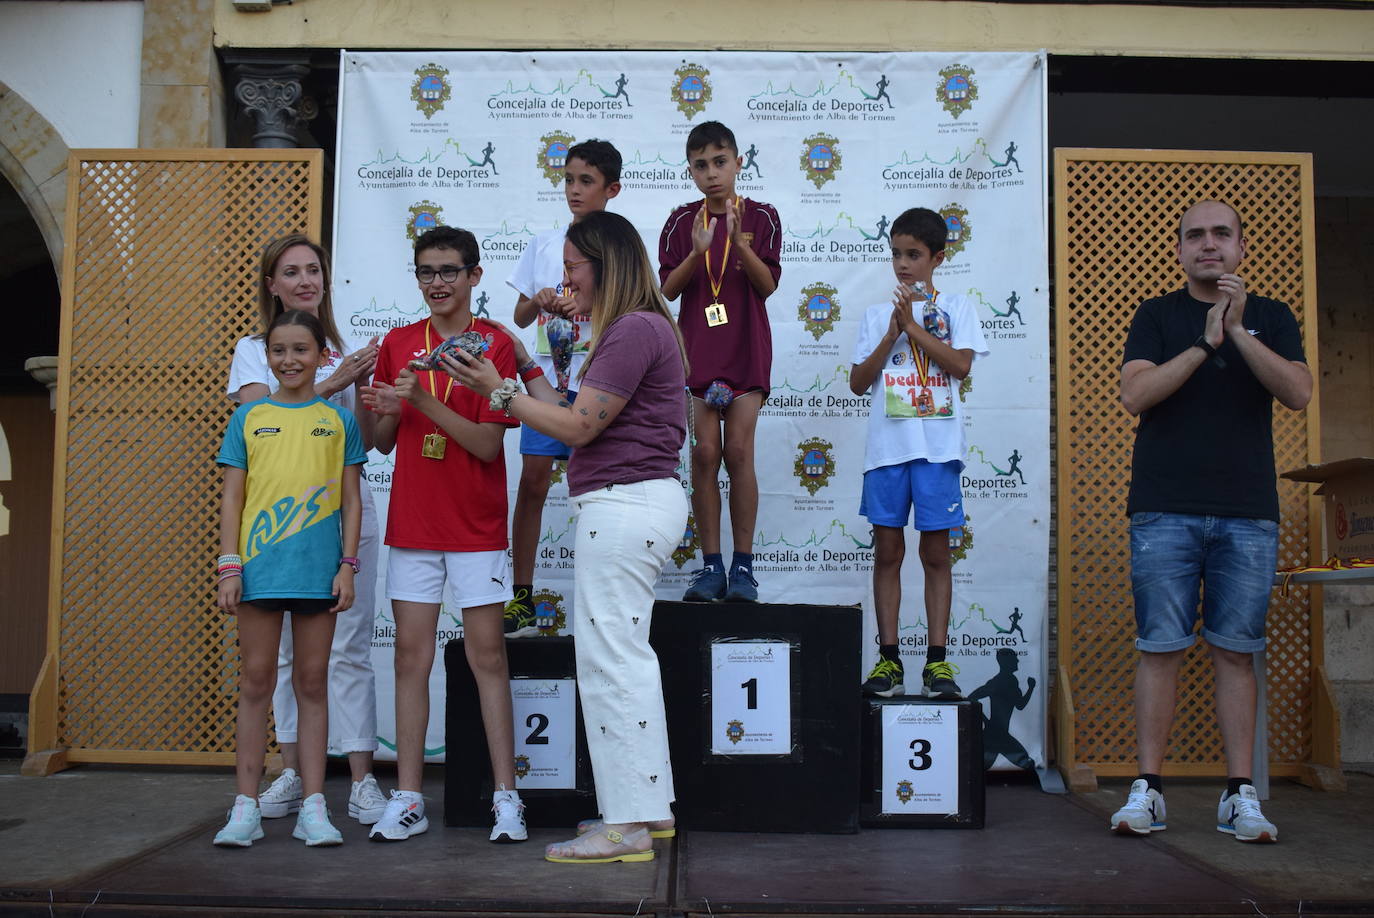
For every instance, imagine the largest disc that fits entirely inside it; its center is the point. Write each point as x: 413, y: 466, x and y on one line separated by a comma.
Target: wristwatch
x: 1202, y: 343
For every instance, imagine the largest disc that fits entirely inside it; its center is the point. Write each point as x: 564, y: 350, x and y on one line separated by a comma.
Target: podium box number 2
x: 924, y: 764
x: 552, y: 770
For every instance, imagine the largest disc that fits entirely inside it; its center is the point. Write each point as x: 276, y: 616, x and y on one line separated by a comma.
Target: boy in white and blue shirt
x: 591, y: 177
x: 910, y: 357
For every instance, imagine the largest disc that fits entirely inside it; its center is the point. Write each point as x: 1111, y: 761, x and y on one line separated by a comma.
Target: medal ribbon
x: 433, y: 384
x: 715, y: 282
x: 918, y: 356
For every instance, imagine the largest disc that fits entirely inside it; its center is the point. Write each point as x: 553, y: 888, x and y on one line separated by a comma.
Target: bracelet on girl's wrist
x: 351, y: 562
x: 530, y: 372
x: 229, y: 564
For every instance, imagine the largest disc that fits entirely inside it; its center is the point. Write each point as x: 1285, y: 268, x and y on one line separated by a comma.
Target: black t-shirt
x: 1209, y: 447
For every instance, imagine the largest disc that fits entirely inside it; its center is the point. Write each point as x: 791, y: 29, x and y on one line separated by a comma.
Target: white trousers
x: 352, y: 684
x: 625, y: 534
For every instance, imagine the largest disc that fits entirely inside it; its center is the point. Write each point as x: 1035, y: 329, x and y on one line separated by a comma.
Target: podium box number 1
x: 751, y: 698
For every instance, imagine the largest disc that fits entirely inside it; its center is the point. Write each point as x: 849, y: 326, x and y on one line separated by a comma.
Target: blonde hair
x: 269, y: 306
x: 625, y: 280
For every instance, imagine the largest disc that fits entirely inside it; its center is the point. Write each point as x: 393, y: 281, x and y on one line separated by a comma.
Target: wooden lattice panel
x: 158, y: 283
x: 1116, y: 217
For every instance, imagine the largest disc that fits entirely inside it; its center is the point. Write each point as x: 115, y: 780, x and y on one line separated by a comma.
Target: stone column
x: 272, y: 94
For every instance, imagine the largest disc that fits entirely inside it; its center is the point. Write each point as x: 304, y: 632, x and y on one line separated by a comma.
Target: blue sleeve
x: 354, y: 454
x: 233, y: 451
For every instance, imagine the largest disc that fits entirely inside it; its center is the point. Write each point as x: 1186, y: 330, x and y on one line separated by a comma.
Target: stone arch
x: 33, y: 156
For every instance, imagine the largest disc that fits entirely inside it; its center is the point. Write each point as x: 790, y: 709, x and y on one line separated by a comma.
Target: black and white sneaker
x: 404, y: 817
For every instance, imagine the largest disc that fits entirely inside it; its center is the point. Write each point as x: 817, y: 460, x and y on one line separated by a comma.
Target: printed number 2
x: 540, y: 722
x: 752, y: 690
x: 922, y: 749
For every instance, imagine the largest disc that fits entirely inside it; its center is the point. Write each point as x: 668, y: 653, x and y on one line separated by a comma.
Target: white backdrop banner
x: 840, y: 145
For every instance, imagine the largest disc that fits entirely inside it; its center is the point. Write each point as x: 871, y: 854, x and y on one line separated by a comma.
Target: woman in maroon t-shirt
x: 626, y: 431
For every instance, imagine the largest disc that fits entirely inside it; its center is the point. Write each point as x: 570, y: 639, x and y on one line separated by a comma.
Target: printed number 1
x: 540, y: 722
x: 921, y: 748
x: 752, y: 689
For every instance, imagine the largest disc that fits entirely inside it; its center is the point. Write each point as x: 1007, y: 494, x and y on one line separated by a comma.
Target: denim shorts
x: 932, y: 488
x: 1230, y: 559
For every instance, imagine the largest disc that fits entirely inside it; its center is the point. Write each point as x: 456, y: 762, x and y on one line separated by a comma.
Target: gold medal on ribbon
x: 715, y: 313
x: 433, y: 447
x: 434, y: 444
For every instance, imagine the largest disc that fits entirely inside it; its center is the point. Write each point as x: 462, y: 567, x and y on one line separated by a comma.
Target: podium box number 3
x: 927, y: 764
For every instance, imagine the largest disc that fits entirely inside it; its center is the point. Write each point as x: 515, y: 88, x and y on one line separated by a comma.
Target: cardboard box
x: 1347, y: 490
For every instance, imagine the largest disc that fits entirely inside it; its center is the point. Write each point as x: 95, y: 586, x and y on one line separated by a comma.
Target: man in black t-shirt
x: 1201, y: 369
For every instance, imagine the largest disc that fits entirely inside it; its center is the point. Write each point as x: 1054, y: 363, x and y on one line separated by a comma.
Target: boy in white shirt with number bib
x: 910, y: 357
x: 591, y: 175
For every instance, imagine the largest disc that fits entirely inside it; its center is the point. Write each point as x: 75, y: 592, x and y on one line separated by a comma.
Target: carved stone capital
x: 273, y: 95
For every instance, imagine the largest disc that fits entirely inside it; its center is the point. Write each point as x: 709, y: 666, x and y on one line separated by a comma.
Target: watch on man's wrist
x: 1206, y: 347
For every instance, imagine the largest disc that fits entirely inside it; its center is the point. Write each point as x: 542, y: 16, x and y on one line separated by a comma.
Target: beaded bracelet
x: 230, y: 559
x: 225, y: 575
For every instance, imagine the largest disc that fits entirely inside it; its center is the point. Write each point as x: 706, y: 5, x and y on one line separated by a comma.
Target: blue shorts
x: 1176, y: 555
x: 534, y: 443
x: 890, y: 492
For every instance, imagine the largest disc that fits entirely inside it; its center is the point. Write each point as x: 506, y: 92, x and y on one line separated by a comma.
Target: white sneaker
x: 1143, y: 812
x: 404, y: 816
x: 365, y: 802
x: 283, y: 797
x: 313, y: 826
x: 244, y: 826
x: 509, y: 813
x: 1239, y: 815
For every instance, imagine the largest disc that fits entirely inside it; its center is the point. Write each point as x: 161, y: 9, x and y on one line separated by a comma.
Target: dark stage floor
x: 123, y: 841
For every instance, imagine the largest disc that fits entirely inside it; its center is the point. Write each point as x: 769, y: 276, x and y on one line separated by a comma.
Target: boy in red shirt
x: 721, y: 256
x: 446, y: 526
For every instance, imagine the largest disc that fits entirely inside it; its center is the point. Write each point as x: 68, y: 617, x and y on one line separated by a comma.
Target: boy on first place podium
x: 722, y: 257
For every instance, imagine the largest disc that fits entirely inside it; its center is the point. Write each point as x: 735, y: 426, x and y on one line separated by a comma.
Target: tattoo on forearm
x: 603, y: 398
x: 582, y: 411
x: 564, y: 403
x: 601, y: 416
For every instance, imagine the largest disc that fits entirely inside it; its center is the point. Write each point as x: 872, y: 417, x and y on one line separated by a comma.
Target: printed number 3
x: 922, y: 749
x: 540, y: 722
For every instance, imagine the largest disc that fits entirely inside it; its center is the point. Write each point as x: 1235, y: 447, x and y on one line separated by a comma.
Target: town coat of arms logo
x: 956, y: 90
x: 819, y: 309
x: 431, y: 89
x: 553, y: 155
x: 814, y: 465
x: 960, y: 230
x: 691, y: 88
x: 820, y: 158
x: 689, y: 545
x: 424, y: 215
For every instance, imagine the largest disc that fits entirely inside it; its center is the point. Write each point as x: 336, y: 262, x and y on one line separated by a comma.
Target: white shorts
x: 474, y: 578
